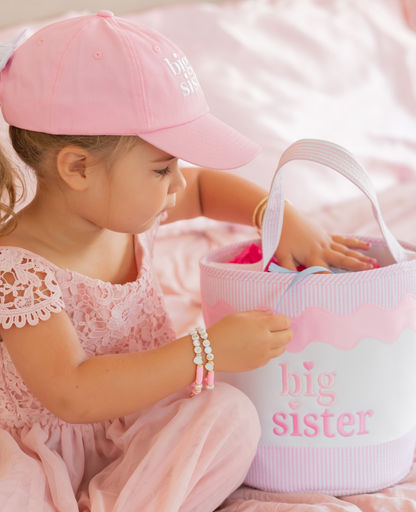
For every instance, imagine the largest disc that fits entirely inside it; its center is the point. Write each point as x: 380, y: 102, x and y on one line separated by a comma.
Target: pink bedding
x: 281, y: 70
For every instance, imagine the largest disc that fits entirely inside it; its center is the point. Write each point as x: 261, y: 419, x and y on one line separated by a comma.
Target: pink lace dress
x: 179, y: 454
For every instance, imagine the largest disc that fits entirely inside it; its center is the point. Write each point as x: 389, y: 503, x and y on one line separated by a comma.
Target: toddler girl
x: 95, y: 404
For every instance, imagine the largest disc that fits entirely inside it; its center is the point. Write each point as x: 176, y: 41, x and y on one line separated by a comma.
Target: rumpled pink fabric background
x: 281, y: 70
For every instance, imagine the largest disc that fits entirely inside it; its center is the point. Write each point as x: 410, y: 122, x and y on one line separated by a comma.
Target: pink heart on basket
x: 308, y: 366
x: 293, y: 405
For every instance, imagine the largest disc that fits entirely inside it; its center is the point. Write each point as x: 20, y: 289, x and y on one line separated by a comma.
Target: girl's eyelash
x: 164, y: 171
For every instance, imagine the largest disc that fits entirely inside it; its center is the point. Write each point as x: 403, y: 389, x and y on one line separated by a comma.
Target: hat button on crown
x: 105, y: 14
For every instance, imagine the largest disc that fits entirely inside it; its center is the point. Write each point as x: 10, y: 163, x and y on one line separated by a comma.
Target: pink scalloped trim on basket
x: 340, y: 331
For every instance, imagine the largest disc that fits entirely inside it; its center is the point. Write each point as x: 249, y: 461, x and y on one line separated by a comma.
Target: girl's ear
x: 72, y: 163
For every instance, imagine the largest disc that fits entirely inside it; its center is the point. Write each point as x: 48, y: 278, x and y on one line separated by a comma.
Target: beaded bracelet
x: 210, y: 358
x: 196, y: 386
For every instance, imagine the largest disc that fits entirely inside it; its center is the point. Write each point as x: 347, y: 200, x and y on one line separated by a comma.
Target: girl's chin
x: 149, y: 223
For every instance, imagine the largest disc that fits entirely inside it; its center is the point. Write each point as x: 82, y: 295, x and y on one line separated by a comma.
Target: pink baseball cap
x: 103, y: 75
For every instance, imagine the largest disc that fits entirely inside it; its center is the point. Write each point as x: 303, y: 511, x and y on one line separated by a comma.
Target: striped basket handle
x: 337, y: 158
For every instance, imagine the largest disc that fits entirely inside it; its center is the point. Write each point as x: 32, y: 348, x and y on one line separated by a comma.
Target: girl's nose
x: 178, y: 182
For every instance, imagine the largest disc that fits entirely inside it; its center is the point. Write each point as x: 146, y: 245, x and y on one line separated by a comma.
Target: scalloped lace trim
x: 28, y: 290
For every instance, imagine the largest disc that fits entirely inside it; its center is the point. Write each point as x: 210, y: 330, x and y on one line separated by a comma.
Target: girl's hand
x: 305, y: 243
x: 247, y: 340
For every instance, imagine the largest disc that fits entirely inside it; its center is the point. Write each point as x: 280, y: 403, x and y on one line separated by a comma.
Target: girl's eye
x: 163, y: 172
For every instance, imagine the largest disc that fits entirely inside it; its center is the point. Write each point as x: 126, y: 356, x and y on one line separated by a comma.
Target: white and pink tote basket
x: 338, y: 408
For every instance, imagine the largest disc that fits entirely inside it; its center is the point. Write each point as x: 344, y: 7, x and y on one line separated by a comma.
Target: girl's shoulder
x: 29, y: 291
x: 20, y: 253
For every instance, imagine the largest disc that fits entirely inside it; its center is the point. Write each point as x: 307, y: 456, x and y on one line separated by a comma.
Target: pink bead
x: 210, y: 378
x: 199, y: 374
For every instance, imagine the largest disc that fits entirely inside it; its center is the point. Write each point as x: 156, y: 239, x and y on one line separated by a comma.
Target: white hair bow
x: 7, y: 48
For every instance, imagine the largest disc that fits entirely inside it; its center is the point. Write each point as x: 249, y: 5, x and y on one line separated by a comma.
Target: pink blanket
x: 281, y: 70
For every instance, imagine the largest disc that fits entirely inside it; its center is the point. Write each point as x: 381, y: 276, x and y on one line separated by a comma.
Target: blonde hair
x: 39, y: 151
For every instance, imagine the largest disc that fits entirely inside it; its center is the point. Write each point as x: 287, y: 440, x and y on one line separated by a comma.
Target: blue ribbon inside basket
x: 299, y: 275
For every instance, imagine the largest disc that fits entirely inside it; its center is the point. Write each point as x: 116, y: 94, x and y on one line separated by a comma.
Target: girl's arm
x: 81, y: 389
x: 223, y: 196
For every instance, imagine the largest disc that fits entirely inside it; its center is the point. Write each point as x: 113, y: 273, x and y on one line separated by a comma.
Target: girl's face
x: 141, y: 185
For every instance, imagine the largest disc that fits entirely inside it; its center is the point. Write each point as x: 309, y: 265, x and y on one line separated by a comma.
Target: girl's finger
x: 339, y: 260
x: 316, y: 261
x: 278, y: 323
x: 281, y: 339
x: 335, y: 246
x: 260, y: 312
x: 286, y: 262
x: 276, y: 352
x: 352, y: 254
x: 351, y: 243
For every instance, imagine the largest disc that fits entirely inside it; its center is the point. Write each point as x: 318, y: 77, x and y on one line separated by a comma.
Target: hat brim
x: 205, y: 142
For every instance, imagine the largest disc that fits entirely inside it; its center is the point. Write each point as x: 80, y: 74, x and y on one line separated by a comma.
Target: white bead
x: 209, y: 367
x: 200, y: 328
x: 210, y: 387
x: 198, y: 350
x: 198, y: 360
x: 195, y: 337
x: 196, y: 343
x: 210, y: 357
x: 193, y: 332
x: 207, y: 350
x: 198, y: 386
x: 206, y: 343
x: 204, y: 335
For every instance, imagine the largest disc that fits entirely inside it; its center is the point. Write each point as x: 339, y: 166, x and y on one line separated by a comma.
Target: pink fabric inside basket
x: 252, y: 254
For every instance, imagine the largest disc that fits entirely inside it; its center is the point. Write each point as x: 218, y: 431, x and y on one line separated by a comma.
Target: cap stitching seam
x: 176, y: 125
x: 139, y: 73
x: 58, y: 78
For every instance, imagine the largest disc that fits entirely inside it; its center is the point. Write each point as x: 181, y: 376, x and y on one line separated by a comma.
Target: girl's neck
x: 48, y: 220
x: 74, y: 243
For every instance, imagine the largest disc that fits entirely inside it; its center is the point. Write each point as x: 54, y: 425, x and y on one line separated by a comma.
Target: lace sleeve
x: 28, y: 289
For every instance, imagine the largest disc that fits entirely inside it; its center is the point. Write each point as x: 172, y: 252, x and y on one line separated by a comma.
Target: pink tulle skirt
x: 180, y: 454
